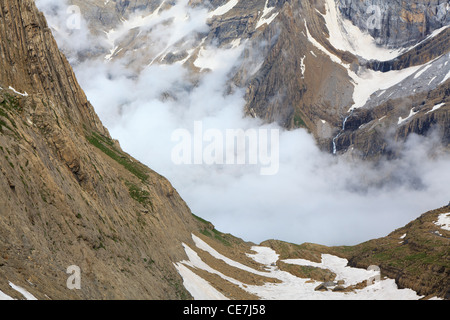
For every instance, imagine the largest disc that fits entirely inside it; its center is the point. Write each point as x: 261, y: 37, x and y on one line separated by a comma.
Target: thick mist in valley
x: 313, y: 197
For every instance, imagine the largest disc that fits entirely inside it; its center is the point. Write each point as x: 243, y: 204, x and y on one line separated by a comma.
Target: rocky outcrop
x: 372, y: 132
x: 69, y: 194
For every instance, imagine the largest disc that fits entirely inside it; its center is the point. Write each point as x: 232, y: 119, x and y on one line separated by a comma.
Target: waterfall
x: 340, y: 133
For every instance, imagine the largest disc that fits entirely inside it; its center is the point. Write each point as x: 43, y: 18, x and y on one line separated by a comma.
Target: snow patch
x: 366, y: 82
x: 411, y: 114
x: 347, y: 37
x: 444, y: 221
x: 265, y: 19
x: 205, y: 247
x: 17, y: 92
x: 4, y: 296
x: 114, y: 35
x: 351, y: 276
x: 22, y: 291
x: 436, y: 107
x: 419, y: 73
x: 303, y: 66
x: 220, y: 11
x: 369, y: 82
x: 432, y: 79
x: 432, y: 35
x: 438, y: 233
x: 199, y: 288
x: 445, y: 78
x: 333, y: 57
x: 264, y: 255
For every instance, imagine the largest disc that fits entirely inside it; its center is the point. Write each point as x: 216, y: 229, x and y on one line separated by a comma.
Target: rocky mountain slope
x: 69, y: 194
x: 71, y: 197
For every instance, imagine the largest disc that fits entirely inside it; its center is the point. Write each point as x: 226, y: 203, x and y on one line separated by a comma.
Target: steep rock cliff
x: 70, y: 195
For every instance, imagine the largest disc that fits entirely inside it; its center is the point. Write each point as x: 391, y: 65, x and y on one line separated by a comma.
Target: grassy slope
x: 420, y: 260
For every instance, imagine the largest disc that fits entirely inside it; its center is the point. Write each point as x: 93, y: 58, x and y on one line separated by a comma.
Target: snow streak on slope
x: 162, y: 29
x: 22, y: 291
x: 347, y: 37
x: 19, y: 93
x: 127, y: 25
x: 199, y: 288
x: 431, y: 36
x: 289, y: 286
x: 412, y: 113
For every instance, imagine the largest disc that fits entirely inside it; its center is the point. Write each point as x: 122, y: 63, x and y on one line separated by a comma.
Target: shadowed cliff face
x: 70, y: 195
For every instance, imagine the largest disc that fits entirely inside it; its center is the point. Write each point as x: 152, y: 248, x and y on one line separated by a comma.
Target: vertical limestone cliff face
x: 69, y: 194
x: 397, y: 23
x: 32, y: 62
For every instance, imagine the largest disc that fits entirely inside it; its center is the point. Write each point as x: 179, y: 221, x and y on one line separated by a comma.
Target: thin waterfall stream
x: 340, y: 132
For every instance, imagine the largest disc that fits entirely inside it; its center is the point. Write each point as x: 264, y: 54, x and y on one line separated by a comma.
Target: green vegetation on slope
x: 106, y: 145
